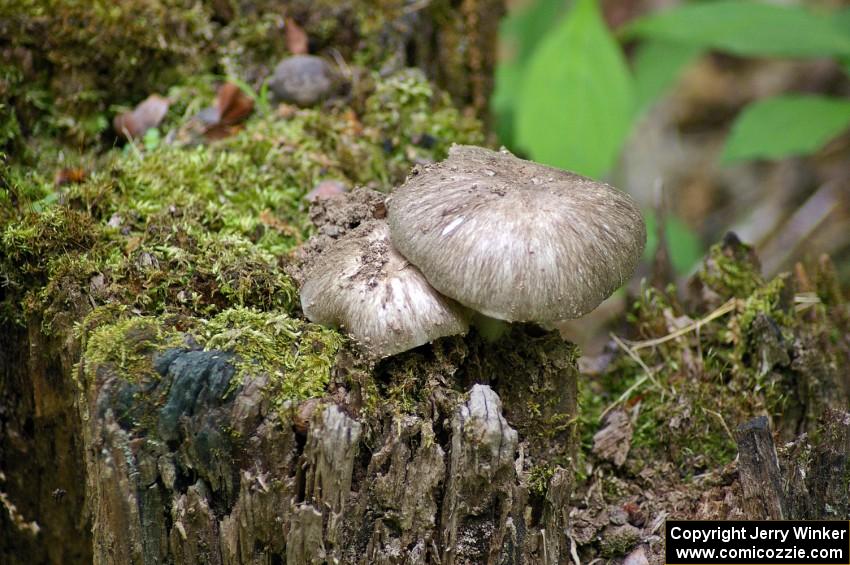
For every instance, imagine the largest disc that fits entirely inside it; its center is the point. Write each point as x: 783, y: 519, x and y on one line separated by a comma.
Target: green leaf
x: 746, y: 28
x: 519, y: 35
x: 684, y: 246
x: 523, y: 28
x: 576, y: 102
x: 503, y: 102
x: 786, y: 125
x: 842, y: 22
x: 657, y: 65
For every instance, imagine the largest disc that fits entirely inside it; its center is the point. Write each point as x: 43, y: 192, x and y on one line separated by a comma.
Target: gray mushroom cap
x: 513, y: 239
x: 362, y: 285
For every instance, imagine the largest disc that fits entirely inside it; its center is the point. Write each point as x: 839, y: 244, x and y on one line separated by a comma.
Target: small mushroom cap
x: 362, y: 285
x: 513, y: 239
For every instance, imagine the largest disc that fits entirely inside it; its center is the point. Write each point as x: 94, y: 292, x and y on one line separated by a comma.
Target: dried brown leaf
x: 148, y: 114
x: 296, y: 38
x: 69, y: 176
x: 232, y: 107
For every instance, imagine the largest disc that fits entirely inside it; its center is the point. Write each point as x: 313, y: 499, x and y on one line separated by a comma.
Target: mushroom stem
x: 491, y: 329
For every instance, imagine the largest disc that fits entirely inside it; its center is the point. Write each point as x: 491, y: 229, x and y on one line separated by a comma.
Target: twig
x: 649, y: 374
x: 805, y: 300
x: 722, y: 423
x: 623, y: 397
x: 631, y: 352
x: 727, y: 307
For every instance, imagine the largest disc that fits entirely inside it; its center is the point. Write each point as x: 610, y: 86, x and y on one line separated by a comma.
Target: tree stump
x: 182, y: 467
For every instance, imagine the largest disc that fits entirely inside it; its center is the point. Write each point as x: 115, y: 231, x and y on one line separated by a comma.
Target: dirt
x: 334, y: 217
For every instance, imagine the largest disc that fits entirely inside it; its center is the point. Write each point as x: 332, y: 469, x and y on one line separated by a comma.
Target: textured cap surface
x: 513, y: 239
x: 363, y: 286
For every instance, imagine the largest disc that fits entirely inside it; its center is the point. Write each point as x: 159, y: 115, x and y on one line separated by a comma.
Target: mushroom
x: 516, y: 240
x: 362, y: 285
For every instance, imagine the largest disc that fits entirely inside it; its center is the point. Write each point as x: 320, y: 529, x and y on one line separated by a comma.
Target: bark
x: 808, y: 480
x: 42, y: 474
x: 816, y: 470
x: 758, y: 468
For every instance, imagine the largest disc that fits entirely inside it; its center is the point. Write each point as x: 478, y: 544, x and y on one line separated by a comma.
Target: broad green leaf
x: 519, y: 35
x: 683, y: 244
x: 576, y: 100
x: 786, y: 125
x: 842, y: 21
x: 524, y: 27
x: 503, y: 101
x: 746, y: 28
x: 657, y: 65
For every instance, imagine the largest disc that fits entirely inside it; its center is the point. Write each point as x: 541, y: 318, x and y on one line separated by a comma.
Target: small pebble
x: 325, y: 189
x: 304, y: 80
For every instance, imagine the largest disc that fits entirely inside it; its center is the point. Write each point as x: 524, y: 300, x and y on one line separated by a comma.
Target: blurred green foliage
x: 597, y: 84
x: 754, y: 29
x: 657, y: 64
x: 762, y: 130
x: 683, y: 244
x: 565, y: 95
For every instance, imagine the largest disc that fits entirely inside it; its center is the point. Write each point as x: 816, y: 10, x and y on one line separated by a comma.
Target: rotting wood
x: 758, y: 468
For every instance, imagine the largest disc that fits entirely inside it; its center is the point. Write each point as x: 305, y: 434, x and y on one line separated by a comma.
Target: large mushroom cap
x: 516, y: 240
x: 363, y: 286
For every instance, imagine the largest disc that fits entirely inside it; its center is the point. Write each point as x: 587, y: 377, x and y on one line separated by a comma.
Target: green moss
x: 617, y: 541
x: 731, y: 270
x: 770, y: 299
x: 29, y: 245
x: 296, y: 355
x: 127, y: 347
x: 704, y: 383
x: 416, y: 122
x: 196, y: 236
x: 103, y: 57
x: 93, y: 56
x: 538, y: 479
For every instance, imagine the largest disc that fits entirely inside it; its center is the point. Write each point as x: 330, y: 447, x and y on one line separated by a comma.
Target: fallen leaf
x: 148, y: 114
x: 614, y: 440
x: 69, y: 176
x: 296, y: 38
x: 232, y: 106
